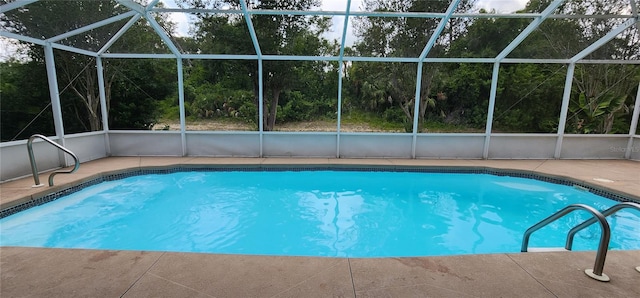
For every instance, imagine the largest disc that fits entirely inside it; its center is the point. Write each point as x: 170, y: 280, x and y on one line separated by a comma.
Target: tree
x: 529, y: 95
x: 404, y: 37
x: 277, y: 35
x: 596, y: 85
x: 77, y: 73
x: 24, y: 109
x: 45, y: 19
x: 137, y: 88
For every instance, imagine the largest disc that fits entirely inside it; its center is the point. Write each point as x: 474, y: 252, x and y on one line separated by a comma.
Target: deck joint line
x: 533, y: 277
x: 142, y: 275
x: 353, y: 284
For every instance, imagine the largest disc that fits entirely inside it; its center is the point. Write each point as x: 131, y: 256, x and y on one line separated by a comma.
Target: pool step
x: 546, y: 249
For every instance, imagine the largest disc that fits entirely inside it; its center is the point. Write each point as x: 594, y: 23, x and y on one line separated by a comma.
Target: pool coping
x: 56, y: 192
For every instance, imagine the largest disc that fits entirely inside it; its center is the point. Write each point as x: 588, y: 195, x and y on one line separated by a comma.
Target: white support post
x: 260, y: 105
x: 425, y: 51
x: 633, y: 127
x: 103, y: 104
x: 339, y: 109
x: 183, y: 136
x: 416, y: 110
x: 55, y: 100
x: 256, y: 46
x: 566, y: 97
x: 340, y: 75
x: 492, y: 105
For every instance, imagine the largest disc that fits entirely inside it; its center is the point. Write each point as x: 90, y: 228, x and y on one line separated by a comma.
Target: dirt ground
x: 222, y: 125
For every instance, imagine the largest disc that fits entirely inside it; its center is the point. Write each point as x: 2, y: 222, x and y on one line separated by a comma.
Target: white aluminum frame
x: 267, y: 140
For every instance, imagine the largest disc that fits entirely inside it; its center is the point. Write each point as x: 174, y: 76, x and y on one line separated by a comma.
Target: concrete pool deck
x: 36, y: 272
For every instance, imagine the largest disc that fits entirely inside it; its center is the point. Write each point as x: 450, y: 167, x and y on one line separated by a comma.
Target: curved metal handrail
x: 32, y: 159
x: 605, y: 213
x: 601, y: 254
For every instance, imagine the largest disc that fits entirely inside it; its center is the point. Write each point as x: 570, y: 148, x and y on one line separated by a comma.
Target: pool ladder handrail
x: 608, y: 212
x: 32, y: 159
x: 601, y: 254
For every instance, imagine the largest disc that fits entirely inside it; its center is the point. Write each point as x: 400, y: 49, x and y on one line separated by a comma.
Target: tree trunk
x: 608, y: 123
x: 265, y: 117
x: 89, y: 99
x: 271, y: 121
x: 407, y: 108
x: 427, y: 80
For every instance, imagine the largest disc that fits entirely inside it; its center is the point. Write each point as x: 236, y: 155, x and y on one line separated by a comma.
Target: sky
x: 501, y: 6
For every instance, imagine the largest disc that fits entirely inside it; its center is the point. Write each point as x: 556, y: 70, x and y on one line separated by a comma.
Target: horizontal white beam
x: 382, y: 14
x: 73, y: 50
x: 15, y: 4
x: 137, y: 56
x: 608, y: 62
x: 386, y: 13
x: 22, y: 38
x: 219, y: 57
x: 367, y: 59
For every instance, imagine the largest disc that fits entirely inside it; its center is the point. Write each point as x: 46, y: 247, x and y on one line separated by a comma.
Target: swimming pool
x: 337, y: 213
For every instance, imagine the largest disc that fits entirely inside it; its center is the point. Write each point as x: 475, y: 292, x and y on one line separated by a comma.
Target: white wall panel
x: 594, y: 146
x: 136, y: 143
x: 449, y: 146
x: 14, y: 158
x: 299, y: 144
x: 14, y: 161
x: 522, y: 146
x: 223, y: 144
x: 87, y: 146
x: 375, y: 145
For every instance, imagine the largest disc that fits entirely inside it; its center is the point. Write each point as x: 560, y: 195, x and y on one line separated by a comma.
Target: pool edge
x: 52, y: 194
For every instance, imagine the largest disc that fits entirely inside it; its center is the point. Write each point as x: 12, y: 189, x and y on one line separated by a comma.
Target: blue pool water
x: 315, y: 213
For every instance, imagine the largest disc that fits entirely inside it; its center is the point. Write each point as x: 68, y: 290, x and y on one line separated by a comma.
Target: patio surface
x: 40, y: 272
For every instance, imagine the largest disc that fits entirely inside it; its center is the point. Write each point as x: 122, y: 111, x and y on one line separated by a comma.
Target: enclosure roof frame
x: 139, y: 11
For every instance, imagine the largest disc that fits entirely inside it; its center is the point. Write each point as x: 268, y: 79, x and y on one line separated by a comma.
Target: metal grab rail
x: 601, y: 255
x: 613, y: 209
x: 32, y: 159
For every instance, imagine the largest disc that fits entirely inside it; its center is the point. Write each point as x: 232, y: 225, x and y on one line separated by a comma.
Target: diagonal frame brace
x: 527, y: 31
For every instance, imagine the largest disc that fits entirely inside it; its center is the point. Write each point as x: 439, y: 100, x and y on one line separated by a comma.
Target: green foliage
x: 296, y: 108
x: 464, y: 96
x: 596, y: 115
x: 372, y: 119
x: 77, y: 75
x: 374, y: 83
x: 168, y: 109
x: 529, y: 95
x: 25, y: 97
x: 278, y: 34
x: 454, y: 97
x: 140, y: 91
